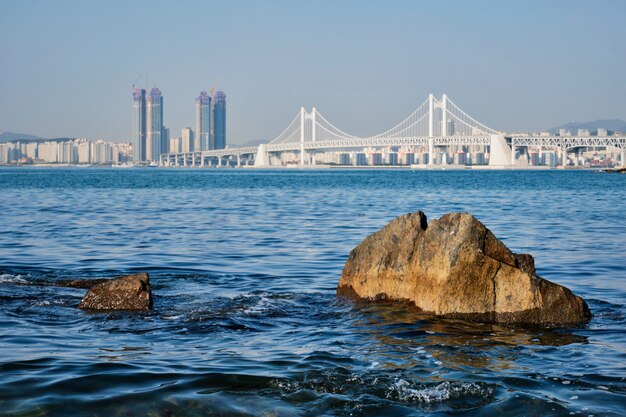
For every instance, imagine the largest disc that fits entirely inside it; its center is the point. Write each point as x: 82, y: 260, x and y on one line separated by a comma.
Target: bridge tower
x: 302, y: 116
x: 444, y: 115
x: 431, y: 130
x: 313, y: 123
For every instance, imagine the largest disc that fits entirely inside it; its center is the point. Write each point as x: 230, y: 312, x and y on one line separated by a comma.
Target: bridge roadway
x: 563, y: 143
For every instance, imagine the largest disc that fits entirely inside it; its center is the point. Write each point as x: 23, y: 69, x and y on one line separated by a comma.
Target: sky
x: 67, y: 67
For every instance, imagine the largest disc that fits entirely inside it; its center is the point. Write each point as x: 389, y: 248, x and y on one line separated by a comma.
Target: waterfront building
x: 202, y: 140
x: 392, y: 158
x: 360, y: 159
x: 122, y: 152
x: 459, y: 158
x: 187, y: 140
x: 549, y: 158
x: 4, y: 154
x: 67, y: 153
x: 407, y: 158
x: 175, y: 145
x: 154, y: 122
x: 101, y: 152
x: 48, y: 152
x: 84, y: 152
x: 451, y: 127
x: 478, y: 158
x: 344, y: 159
x: 584, y: 132
x: 31, y: 150
x: 72, y: 151
x: 602, y: 132
x: 375, y: 158
x: 534, y: 158
x: 219, y: 120
x: 565, y: 132
x: 139, y: 124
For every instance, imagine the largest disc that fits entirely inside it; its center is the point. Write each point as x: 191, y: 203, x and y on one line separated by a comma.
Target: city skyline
x: 530, y: 72
x: 151, y: 137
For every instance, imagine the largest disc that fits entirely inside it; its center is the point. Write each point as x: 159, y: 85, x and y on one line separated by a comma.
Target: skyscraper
x: 139, y: 124
x: 155, y: 124
x: 219, y: 120
x: 203, y: 123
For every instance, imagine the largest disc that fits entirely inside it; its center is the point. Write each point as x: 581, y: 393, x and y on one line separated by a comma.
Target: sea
x: 244, y: 265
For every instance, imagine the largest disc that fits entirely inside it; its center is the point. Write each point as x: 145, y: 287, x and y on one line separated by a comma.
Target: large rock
x: 131, y: 293
x: 456, y: 267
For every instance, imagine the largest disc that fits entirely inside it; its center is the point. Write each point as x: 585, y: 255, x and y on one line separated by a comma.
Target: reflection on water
x: 244, y: 267
x: 453, y: 344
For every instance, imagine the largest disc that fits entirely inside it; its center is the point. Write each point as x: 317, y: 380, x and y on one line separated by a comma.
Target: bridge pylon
x: 262, y: 158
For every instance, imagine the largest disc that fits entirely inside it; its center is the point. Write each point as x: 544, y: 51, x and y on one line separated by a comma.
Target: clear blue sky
x: 67, y: 67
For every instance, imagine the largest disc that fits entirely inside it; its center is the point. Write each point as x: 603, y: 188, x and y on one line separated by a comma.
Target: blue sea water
x: 244, y: 265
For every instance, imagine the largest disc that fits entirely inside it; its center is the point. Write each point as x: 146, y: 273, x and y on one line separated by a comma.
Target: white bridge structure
x: 435, y: 123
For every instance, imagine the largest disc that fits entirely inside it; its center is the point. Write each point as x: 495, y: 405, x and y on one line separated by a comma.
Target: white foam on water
x: 13, y: 279
x: 439, y: 393
x: 262, y: 306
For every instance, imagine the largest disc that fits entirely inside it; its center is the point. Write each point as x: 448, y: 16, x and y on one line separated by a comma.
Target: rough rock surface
x: 132, y: 292
x: 456, y: 267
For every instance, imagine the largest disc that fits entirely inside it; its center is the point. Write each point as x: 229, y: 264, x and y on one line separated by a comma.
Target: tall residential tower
x: 139, y: 124
x: 219, y: 120
x: 203, y: 123
x: 155, y: 131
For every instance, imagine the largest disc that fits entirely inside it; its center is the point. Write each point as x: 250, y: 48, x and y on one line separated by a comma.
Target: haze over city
x: 68, y: 66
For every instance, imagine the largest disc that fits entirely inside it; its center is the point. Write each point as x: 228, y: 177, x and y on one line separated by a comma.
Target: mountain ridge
x: 14, y: 137
x: 612, y: 125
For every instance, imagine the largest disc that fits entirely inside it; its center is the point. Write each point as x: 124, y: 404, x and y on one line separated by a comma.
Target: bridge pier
x: 623, y: 158
x: 564, y: 156
x: 513, y: 150
x: 499, y: 153
x: 262, y: 158
x: 431, y: 151
x: 239, y: 161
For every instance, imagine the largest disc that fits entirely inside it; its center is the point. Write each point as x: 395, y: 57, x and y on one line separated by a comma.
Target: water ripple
x: 244, y: 265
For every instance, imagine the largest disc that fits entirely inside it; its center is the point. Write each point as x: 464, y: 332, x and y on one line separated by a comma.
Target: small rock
x: 129, y: 293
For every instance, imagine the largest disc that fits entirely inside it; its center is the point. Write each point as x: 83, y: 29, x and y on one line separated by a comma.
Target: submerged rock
x: 80, y: 283
x: 456, y: 267
x: 132, y: 292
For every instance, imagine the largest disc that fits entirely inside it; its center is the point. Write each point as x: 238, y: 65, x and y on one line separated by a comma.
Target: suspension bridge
x: 435, y: 123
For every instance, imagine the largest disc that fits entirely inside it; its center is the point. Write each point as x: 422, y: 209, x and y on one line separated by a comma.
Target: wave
x: 13, y: 279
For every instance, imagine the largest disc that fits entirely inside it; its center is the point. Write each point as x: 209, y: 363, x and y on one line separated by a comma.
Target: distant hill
x: 254, y: 142
x: 13, y: 137
x: 612, y: 125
